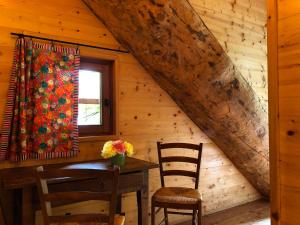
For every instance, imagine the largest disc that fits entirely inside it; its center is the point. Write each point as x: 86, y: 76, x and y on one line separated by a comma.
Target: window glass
x: 89, y: 84
x: 89, y: 109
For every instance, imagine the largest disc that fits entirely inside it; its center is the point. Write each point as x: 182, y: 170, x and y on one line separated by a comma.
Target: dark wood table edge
x: 5, y: 174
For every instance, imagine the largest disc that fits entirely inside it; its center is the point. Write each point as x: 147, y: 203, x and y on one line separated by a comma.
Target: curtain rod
x: 70, y: 43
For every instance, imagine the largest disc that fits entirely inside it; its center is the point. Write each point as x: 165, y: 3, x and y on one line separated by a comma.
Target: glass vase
x: 118, y: 160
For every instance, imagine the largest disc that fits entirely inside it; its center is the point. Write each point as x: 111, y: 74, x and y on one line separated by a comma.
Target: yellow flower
x: 108, y: 151
x: 129, y: 148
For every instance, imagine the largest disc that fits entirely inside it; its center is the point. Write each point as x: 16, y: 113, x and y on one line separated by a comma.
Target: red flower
x: 119, y: 146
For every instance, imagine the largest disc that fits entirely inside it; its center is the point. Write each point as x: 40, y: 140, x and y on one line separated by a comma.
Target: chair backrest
x: 46, y: 197
x: 179, y: 158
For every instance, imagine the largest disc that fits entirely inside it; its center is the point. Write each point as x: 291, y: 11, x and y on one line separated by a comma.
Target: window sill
x: 98, y: 138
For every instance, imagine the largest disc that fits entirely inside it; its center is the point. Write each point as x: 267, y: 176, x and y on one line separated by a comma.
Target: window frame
x: 106, y: 67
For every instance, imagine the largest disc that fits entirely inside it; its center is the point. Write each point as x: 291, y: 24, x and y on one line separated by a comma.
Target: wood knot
x: 275, y: 216
x: 157, y: 52
x: 290, y: 133
x: 211, y: 186
x: 159, y: 3
x: 235, y: 83
x: 211, y: 64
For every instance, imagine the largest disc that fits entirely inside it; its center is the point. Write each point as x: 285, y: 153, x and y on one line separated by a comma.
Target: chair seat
x: 177, y: 195
x: 119, y: 220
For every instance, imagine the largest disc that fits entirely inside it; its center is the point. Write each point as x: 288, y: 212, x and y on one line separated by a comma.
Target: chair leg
x: 194, y: 217
x: 152, y: 213
x: 200, y: 214
x: 166, y: 216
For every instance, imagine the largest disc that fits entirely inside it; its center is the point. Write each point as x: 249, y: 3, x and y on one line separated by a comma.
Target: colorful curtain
x: 40, y: 120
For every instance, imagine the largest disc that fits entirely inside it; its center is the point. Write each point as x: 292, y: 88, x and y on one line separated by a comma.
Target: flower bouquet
x: 116, y: 151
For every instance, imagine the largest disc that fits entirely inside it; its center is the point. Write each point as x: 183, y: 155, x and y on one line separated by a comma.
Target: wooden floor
x: 254, y: 213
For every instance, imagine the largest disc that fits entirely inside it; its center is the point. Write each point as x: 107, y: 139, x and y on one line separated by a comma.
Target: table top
x: 131, y: 165
x: 20, y: 177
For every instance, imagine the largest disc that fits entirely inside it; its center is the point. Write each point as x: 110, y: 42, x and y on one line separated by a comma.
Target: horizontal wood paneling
x: 146, y: 113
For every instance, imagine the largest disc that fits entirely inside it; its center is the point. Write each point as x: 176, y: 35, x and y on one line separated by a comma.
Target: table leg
x: 2, y: 222
x: 142, y: 201
x: 27, y: 207
x: 119, y: 204
x: 6, y: 206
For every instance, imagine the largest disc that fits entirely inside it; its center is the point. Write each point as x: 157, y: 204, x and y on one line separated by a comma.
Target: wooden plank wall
x: 284, y: 89
x: 240, y: 27
x: 146, y: 113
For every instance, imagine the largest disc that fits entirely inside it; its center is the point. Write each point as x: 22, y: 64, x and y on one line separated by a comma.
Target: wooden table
x: 133, y: 178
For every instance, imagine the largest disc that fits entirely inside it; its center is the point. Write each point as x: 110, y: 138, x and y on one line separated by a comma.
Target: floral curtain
x: 40, y: 120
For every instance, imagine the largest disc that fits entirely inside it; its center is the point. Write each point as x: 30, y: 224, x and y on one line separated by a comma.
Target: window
x: 95, y: 109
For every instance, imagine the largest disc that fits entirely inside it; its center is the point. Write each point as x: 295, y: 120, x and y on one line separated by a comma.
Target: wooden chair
x: 179, y: 198
x: 47, y: 198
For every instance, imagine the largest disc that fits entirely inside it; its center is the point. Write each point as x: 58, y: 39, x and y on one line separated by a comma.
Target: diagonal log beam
x: 173, y: 44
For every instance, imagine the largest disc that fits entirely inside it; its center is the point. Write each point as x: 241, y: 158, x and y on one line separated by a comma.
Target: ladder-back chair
x: 180, y: 198
x: 47, y: 198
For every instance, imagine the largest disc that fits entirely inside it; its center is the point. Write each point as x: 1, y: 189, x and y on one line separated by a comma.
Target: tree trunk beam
x: 174, y: 45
